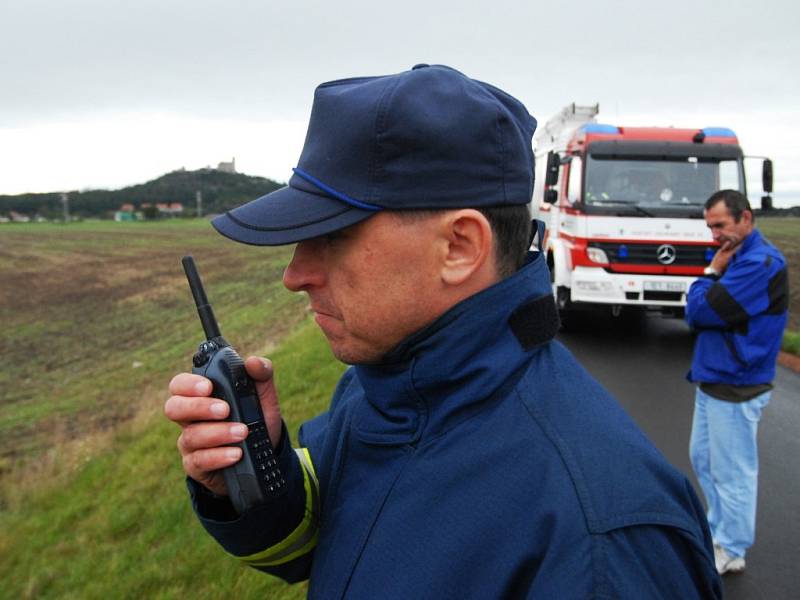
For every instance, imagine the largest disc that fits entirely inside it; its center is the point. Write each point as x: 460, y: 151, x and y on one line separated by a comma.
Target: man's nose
x: 303, y: 271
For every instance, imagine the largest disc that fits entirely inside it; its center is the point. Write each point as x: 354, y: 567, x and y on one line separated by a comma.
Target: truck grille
x: 647, y: 254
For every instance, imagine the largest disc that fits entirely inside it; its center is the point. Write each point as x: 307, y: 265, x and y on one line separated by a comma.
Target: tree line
x: 220, y: 191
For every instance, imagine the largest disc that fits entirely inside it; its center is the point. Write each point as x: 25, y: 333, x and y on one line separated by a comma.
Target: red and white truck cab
x: 624, y: 208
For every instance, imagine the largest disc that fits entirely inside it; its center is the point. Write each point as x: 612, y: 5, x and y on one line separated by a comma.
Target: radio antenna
x: 210, y: 326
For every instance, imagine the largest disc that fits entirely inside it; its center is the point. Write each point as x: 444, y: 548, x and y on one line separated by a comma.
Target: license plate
x: 665, y: 286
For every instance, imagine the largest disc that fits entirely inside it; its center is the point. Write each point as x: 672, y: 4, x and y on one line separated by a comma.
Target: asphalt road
x: 643, y: 363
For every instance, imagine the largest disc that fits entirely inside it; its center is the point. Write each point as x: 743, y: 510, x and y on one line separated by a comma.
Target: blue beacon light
x: 623, y: 251
x: 600, y: 128
x: 710, y: 252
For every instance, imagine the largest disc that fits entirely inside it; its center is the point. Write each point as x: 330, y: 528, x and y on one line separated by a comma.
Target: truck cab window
x: 729, y: 175
x: 677, y: 185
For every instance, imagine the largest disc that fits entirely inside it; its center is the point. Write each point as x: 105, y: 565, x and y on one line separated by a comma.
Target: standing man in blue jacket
x: 465, y: 453
x: 739, y: 310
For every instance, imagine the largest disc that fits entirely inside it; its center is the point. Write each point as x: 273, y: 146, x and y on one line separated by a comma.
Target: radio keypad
x: 264, y: 460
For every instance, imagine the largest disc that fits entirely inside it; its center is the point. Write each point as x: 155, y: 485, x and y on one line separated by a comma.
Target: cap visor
x: 286, y: 216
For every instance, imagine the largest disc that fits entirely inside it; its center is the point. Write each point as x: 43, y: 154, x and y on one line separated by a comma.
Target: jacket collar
x: 748, y: 243
x: 459, y: 364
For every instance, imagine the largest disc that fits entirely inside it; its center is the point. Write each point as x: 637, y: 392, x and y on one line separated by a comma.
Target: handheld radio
x: 256, y: 477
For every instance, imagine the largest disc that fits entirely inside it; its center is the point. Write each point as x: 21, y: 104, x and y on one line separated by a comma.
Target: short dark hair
x: 735, y: 202
x: 511, y: 225
x: 512, y: 228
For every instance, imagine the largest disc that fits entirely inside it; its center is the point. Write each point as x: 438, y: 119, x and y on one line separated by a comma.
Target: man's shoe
x: 726, y: 563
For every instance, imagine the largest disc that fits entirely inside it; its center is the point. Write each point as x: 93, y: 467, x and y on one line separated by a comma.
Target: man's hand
x: 206, y: 438
x: 723, y: 256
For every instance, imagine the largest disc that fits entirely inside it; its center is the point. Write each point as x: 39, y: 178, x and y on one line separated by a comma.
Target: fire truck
x: 624, y: 208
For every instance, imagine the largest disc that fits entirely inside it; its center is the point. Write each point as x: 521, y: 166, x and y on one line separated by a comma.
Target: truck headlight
x: 597, y: 255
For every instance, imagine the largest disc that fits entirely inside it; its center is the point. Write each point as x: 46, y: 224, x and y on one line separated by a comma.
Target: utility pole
x: 198, y: 195
x: 65, y: 202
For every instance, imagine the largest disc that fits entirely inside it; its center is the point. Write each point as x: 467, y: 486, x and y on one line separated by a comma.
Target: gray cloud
x: 256, y: 60
x: 264, y: 58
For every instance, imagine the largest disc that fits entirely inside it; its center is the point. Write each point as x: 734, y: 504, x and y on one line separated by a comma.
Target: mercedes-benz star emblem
x: 666, y: 254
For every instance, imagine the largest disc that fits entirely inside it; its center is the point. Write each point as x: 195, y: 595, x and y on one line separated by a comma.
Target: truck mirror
x: 766, y: 176
x: 766, y: 203
x: 551, y: 173
x: 550, y: 196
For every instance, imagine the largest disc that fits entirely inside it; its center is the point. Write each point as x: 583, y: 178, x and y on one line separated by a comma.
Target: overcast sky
x: 106, y: 93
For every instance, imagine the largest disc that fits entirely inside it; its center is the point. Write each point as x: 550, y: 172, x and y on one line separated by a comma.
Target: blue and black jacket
x: 740, y: 317
x: 478, y: 461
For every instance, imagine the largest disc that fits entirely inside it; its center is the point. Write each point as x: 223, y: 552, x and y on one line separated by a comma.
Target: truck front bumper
x: 597, y: 286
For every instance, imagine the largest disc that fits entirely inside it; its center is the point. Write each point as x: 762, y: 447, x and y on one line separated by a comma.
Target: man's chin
x: 345, y: 347
x: 352, y: 357
x: 349, y: 355
x: 339, y: 348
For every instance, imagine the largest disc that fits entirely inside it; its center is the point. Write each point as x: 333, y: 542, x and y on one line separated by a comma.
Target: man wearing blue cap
x: 465, y: 454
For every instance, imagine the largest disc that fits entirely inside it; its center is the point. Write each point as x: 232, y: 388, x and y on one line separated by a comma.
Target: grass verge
x: 121, y: 526
x: 791, y: 342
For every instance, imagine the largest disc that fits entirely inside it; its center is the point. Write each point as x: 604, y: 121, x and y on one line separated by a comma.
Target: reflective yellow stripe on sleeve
x: 304, y: 537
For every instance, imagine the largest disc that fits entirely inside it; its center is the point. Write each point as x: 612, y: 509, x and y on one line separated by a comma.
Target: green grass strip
x: 791, y: 342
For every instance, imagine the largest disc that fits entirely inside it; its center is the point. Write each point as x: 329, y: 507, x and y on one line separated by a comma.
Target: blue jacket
x: 740, y: 317
x: 480, y: 461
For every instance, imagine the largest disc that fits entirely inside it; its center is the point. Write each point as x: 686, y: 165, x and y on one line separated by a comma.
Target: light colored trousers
x: 724, y: 454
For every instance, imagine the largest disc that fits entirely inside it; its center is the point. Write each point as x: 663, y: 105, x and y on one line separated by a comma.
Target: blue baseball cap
x: 428, y: 138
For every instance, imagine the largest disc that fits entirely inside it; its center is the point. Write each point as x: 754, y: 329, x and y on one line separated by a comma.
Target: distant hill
x: 221, y: 191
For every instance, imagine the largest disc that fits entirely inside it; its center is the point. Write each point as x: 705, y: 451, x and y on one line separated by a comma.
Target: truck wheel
x: 631, y: 318
x: 566, y: 313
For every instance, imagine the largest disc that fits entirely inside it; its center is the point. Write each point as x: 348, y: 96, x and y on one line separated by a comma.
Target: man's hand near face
x: 723, y: 256
x: 728, y: 231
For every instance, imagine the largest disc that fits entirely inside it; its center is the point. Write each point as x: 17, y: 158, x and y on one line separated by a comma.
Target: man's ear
x: 469, y: 249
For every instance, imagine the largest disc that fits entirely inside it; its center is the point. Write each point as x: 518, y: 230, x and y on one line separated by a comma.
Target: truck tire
x: 566, y: 313
x: 629, y: 318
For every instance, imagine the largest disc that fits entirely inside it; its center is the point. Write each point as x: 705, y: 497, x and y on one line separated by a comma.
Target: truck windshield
x: 675, y: 186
